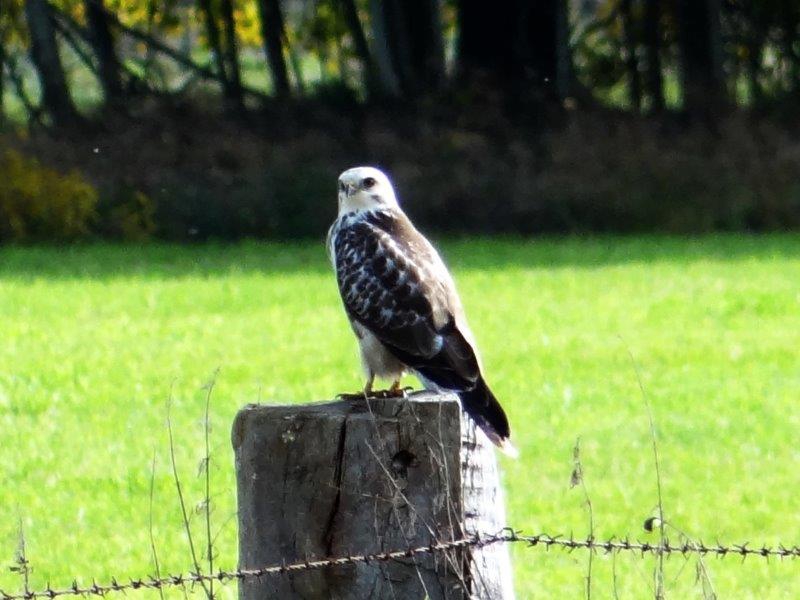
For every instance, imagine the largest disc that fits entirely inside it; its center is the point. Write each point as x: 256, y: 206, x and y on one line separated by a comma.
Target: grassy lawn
x: 93, y: 340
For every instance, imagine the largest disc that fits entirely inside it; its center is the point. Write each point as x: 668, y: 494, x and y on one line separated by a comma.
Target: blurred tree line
x: 701, y: 56
x: 192, y: 119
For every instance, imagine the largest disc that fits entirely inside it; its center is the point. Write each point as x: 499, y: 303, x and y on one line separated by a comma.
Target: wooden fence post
x: 361, y: 477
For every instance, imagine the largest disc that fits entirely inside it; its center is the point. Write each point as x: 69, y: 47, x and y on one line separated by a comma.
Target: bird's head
x: 365, y: 188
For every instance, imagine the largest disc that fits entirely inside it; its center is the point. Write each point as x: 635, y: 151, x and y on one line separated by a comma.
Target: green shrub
x: 632, y: 177
x: 279, y: 203
x: 125, y: 213
x: 37, y: 203
x: 588, y: 172
x: 622, y: 175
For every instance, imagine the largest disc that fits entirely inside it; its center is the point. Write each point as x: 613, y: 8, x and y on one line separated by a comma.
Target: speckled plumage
x: 403, y: 305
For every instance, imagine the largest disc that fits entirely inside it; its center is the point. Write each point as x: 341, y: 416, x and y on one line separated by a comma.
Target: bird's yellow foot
x: 392, y: 392
x: 363, y: 395
x: 376, y: 394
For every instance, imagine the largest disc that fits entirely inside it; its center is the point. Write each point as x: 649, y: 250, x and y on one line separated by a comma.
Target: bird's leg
x: 395, y: 390
x: 363, y: 394
x: 368, y: 385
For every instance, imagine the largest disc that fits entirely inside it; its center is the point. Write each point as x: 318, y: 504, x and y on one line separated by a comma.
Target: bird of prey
x: 402, y: 302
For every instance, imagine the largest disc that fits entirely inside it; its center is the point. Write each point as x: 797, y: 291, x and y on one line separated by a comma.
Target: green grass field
x: 93, y: 340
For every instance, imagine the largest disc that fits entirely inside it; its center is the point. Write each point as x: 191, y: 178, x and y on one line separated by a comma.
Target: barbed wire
x: 542, y: 540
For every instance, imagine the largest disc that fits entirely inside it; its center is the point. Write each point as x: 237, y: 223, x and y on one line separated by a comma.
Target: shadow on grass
x: 172, y: 261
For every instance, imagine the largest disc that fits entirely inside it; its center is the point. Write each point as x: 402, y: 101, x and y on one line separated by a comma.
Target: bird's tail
x: 480, y: 404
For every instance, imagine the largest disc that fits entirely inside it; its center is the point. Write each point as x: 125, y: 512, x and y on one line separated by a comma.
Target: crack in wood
x: 337, y: 482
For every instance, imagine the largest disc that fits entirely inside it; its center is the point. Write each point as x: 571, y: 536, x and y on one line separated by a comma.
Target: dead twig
x: 179, y: 488
x: 21, y: 564
x: 576, y: 479
x: 207, y: 462
x: 659, y: 571
x: 153, y: 552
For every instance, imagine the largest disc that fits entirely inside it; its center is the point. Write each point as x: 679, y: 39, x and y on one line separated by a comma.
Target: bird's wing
x: 394, y: 283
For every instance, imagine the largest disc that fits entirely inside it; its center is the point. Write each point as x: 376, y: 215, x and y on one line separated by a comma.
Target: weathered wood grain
x: 360, y: 477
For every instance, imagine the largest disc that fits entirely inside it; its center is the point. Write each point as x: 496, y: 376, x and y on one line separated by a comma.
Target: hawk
x: 402, y: 302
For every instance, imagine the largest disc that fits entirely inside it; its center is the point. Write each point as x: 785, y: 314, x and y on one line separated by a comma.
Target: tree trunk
x: 701, y: 56
x: 44, y: 53
x: 234, y: 79
x: 389, y: 82
x: 415, y: 39
x: 652, y: 47
x: 755, y: 48
x: 272, y: 31
x: 214, y: 44
x: 523, y: 47
x: 546, y: 47
x: 297, y: 70
x: 180, y: 58
x: 371, y: 80
x: 397, y: 37
x: 631, y: 62
x: 34, y: 112
x: 150, y: 53
x: 789, y: 25
x: 2, y: 77
x: 411, y: 32
x: 103, y: 46
x: 424, y: 25
x: 487, y: 41
x: 565, y: 74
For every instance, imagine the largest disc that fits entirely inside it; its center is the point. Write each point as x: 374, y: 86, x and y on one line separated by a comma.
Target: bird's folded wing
x: 391, y: 282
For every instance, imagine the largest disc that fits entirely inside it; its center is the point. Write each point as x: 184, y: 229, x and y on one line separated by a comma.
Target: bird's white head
x: 365, y: 188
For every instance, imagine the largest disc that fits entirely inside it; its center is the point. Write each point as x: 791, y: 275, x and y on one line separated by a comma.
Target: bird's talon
x: 348, y: 397
x: 375, y: 394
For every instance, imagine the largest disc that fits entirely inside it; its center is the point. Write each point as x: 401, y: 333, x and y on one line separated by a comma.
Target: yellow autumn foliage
x: 39, y: 203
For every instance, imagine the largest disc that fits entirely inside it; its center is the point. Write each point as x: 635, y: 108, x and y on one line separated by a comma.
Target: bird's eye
x: 342, y: 186
x: 368, y: 182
